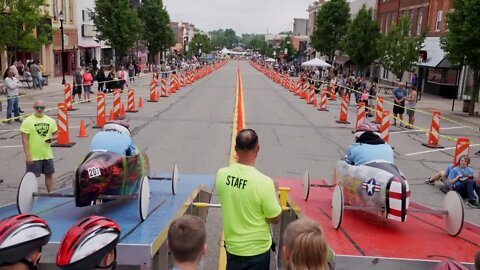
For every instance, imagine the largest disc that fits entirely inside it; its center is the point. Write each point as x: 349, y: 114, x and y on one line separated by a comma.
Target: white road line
x: 11, y: 146
x: 418, y: 130
x: 436, y: 150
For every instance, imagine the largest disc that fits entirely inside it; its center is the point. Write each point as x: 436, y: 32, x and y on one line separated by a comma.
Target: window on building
x: 420, y: 21
x: 438, y: 24
x: 385, y: 74
x: 87, y: 15
x: 411, y: 30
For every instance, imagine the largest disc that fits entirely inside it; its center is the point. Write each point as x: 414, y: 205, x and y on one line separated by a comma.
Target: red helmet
x: 87, y: 242
x: 366, y: 127
x: 21, y: 235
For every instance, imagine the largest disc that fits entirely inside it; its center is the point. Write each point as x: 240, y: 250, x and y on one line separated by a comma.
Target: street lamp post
x: 61, y: 18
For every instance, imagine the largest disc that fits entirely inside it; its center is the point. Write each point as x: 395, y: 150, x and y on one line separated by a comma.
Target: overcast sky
x: 243, y: 16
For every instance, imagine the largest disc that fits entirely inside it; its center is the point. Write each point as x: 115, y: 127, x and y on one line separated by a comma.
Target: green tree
x: 398, y: 50
x: 224, y: 38
x: 287, y: 46
x: 331, y: 27
x: 156, y: 31
x: 117, y: 24
x: 200, y: 44
x: 462, y: 40
x: 24, y: 27
x: 361, y: 42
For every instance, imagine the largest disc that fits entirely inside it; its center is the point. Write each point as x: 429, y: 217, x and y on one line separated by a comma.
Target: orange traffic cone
x: 140, y: 103
x: 112, y: 116
x: 83, y: 130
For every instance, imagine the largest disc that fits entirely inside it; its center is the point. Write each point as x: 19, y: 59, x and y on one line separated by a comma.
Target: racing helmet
x: 117, y: 125
x: 87, y: 242
x: 364, y: 127
x: 20, y: 235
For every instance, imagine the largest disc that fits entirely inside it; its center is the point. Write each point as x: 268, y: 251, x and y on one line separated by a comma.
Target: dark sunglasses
x: 39, y: 107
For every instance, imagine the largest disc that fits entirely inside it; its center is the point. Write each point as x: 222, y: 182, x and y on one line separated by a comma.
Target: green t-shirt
x: 39, y: 130
x: 248, y: 198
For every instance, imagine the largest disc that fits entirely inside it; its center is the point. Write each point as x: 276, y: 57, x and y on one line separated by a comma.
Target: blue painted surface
x: 61, y: 213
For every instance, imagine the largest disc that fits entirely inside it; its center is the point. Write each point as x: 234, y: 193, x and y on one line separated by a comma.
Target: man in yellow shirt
x: 38, y: 131
x: 249, y: 205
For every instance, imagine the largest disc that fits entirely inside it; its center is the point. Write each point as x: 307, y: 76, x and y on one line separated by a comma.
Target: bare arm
x: 26, y: 147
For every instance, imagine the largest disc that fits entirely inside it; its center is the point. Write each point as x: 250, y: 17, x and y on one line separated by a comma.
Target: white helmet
x: 118, y: 126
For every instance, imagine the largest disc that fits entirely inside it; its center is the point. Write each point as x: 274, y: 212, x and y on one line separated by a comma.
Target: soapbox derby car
x: 101, y: 176
x: 380, y: 187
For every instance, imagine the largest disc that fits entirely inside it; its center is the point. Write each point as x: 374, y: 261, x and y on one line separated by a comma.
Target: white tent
x: 270, y: 60
x: 316, y: 63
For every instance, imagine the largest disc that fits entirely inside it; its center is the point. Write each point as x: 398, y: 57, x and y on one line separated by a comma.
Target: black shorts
x: 410, y: 112
x: 77, y: 90
x: 39, y: 167
x: 399, y: 110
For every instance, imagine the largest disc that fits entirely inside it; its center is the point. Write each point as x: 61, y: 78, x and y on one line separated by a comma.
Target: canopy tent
x: 316, y: 63
x: 270, y: 60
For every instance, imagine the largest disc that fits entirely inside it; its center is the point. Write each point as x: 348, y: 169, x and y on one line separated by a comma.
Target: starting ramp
x: 368, y: 241
x: 142, y: 244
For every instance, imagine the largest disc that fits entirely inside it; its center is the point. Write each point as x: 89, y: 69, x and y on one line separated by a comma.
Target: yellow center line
x: 222, y: 258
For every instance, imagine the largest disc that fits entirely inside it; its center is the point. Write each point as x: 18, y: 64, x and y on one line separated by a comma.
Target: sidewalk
x: 432, y: 103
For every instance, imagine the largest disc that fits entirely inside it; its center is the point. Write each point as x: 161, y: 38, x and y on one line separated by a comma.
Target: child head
x: 187, y: 239
x: 305, y: 246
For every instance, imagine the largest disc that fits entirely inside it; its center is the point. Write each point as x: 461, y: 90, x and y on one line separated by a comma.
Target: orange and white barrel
x: 153, y: 91
x: 385, y: 126
x: 461, y: 148
x: 117, y: 104
x: 101, y: 110
x: 434, y: 134
x: 63, y: 127
x: 344, y: 111
x: 379, y: 111
x: 164, y: 87
x: 68, y: 97
x: 131, y: 101
x: 361, y: 114
x: 323, y: 101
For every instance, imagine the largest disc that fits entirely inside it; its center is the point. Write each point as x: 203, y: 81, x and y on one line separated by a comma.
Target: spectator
x: 440, y: 176
x: 187, y: 242
x: 414, y: 79
x: 131, y: 73
x: 38, y: 131
x: 21, y: 240
x: 411, y: 102
x: 12, y: 85
x: 95, y: 64
x: 87, y: 85
x: 77, y: 83
x: 90, y: 244
x: 101, y: 80
x: 249, y: 205
x: 305, y: 246
x: 36, y: 75
x: 368, y: 146
x: 110, y: 83
x: 461, y: 179
x: 123, y: 78
x: 399, y: 95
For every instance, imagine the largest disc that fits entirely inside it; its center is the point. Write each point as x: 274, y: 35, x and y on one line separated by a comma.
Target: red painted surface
x: 422, y: 236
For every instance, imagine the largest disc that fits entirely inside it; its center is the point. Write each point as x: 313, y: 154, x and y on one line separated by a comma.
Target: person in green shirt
x: 249, y: 206
x: 38, y: 131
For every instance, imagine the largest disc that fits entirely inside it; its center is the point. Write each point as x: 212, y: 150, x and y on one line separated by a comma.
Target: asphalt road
x: 193, y: 129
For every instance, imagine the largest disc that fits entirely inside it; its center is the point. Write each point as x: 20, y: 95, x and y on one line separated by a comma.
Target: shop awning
x: 434, y: 54
x: 342, y: 59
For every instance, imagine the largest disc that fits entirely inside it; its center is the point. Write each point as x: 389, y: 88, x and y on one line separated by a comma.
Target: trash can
x: 466, y: 105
